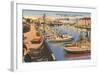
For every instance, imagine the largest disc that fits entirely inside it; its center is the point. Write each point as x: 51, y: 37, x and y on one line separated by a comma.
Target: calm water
x: 57, y: 48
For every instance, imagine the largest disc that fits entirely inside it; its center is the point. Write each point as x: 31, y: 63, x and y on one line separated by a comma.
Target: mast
x: 44, y: 22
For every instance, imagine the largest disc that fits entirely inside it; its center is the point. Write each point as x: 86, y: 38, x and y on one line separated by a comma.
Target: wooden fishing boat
x: 32, y: 40
x: 77, y: 49
x: 64, y: 38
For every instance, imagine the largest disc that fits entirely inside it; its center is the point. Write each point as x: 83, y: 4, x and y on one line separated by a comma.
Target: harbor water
x: 58, y: 47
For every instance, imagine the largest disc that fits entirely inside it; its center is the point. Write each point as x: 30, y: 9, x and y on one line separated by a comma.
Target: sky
x: 53, y: 13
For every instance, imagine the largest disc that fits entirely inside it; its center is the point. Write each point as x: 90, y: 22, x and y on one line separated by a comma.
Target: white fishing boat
x: 63, y: 38
x: 77, y: 49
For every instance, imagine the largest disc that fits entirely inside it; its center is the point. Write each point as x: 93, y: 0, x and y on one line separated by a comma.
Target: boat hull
x: 76, y: 51
x: 62, y: 40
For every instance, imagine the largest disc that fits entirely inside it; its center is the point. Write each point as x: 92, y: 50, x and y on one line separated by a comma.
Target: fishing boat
x: 63, y: 38
x: 32, y: 39
x: 70, y: 48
